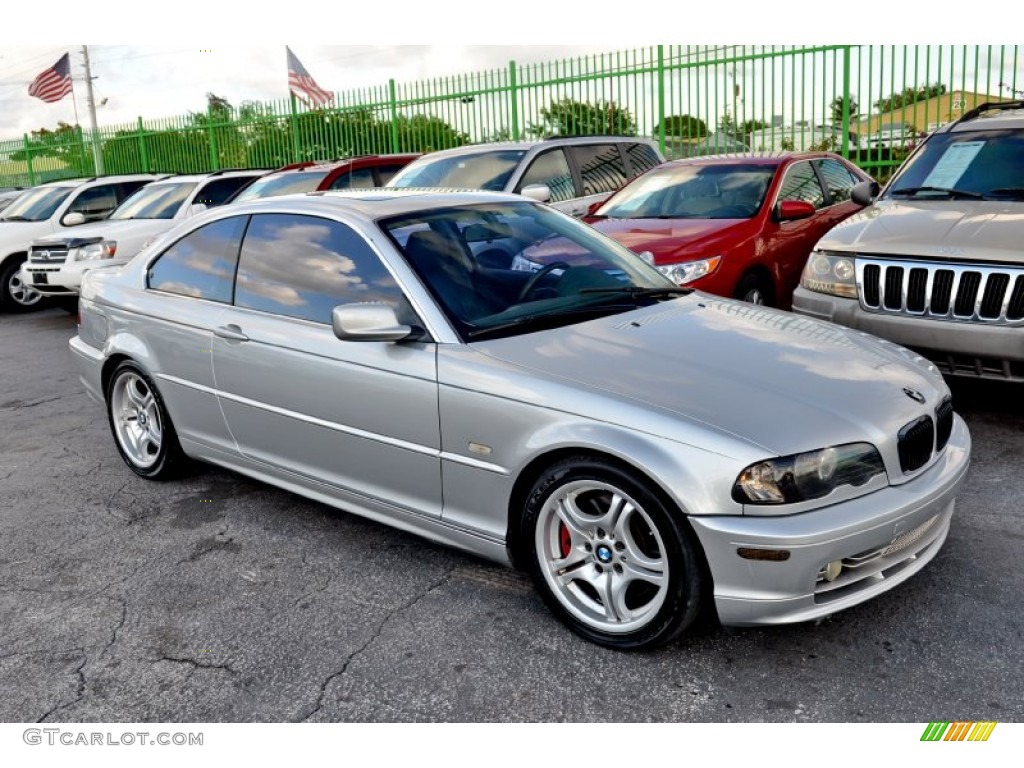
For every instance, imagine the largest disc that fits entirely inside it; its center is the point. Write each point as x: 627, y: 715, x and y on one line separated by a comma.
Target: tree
x: 65, y: 143
x: 567, y: 117
x: 836, y: 109
x: 683, y: 126
x: 747, y: 127
x: 908, y: 96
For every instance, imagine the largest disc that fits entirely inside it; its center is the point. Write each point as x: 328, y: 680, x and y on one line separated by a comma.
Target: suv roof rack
x: 989, y: 105
x: 590, y: 136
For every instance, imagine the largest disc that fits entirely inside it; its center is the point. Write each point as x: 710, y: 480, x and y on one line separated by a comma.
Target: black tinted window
x: 601, y: 168
x: 360, y: 178
x: 304, y: 266
x: 642, y: 157
x: 550, y: 168
x: 387, y: 173
x: 218, y: 191
x: 838, y: 178
x: 96, y: 202
x: 801, y: 183
x: 201, y: 264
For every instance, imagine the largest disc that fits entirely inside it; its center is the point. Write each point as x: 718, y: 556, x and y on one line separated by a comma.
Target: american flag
x: 53, y: 84
x: 302, y: 83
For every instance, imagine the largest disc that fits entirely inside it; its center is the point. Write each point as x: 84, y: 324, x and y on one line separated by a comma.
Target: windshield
x: 484, y: 170
x: 290, y: 183
x: 986, y: 164
x: 693, y: 192
x: 37, y: 204
x: 154, y: 201
x: 507, y: 268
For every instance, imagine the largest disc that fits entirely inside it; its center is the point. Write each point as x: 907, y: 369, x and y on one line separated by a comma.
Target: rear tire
x: 141, y: 426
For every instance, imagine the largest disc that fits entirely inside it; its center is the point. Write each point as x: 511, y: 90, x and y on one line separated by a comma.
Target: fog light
x: 833, y: 569
x: 775, y: 555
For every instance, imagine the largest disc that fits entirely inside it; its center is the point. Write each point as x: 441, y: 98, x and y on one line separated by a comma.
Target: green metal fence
x: 870, y: 103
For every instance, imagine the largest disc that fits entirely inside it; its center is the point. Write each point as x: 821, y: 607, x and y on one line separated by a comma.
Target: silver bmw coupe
x: 487, y: 372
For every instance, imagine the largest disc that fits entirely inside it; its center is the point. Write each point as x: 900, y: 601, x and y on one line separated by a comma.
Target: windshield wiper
x: 15, y: 218
x: 542, y: 319
x: 1013, y: 193
x: 637, y: 292
x: 951, y: 191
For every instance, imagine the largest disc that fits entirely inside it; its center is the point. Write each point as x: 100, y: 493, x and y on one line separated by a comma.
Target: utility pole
x: 97, y: 154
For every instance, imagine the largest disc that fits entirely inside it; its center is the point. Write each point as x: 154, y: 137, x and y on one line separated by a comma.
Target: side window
x: 801, y: 183
x: 218, y: 191
x: 551, y: 168
x: 642, y: 157
x: 96, y: 202
x: 601, y: 167
x: 387, y: 173
x: 126, y: 188
x: 838, y: 179
x: 305, y: 266
x: 360, y: 178
x: 201, y: 264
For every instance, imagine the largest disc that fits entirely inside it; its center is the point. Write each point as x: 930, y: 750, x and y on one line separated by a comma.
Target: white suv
x: 55, y: 207
x: 56, y: 263
x: 572, y: 173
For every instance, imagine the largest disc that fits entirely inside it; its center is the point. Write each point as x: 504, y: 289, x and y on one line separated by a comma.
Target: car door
x: 357, y: 416
x: 789, y: 243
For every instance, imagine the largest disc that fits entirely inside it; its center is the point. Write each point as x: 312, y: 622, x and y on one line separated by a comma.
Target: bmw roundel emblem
x: 604, y: 554
x: 913, y: 394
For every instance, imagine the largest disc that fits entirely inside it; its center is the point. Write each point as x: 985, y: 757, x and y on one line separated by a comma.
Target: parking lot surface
x: 218, y: 598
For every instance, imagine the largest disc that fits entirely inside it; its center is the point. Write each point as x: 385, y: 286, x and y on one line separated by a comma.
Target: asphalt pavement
x: 218, y: 598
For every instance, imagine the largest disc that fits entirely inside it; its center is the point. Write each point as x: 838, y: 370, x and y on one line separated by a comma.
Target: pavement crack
x: 17, y: 405
x: 373, y: 638
x: 79, y: 694
x: 196, y: 664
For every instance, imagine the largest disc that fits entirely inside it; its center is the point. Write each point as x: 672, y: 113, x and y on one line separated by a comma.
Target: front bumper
x: 936, y: 339
x: 60, y: 279
x: 882, y: 538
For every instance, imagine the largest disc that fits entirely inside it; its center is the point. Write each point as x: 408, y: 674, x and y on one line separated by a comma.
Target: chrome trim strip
x: 355, y: 432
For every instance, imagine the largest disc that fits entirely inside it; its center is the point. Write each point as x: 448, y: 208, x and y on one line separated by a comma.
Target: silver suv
x: 936, y: 263
x: 572, y: 173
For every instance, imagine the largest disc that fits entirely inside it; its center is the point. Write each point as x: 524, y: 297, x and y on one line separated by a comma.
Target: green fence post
x: 394, y: 115
x: 513, y: 100
x: 143, y: 154
x: 294, y: 122
x: 28, y: 161
x: 213, y: 139
x: 661, y: 99
x: 846, y: 102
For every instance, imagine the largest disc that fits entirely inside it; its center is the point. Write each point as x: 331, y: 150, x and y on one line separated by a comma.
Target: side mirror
x: 539, y: 192
x: 370, y: 321
x: 864, y: 193
x: 196, y: 208
x: 792, y: 210
x: 592, y: 208
x: 73, y: 219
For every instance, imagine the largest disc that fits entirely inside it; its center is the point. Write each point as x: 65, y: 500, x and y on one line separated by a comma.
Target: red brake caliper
x: 563, y: 539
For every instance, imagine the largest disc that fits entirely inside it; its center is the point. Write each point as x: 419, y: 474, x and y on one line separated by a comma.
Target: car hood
x: 943, y: 230
x: 670, y: 239
x: 129, y: 234
x: 783, y: 382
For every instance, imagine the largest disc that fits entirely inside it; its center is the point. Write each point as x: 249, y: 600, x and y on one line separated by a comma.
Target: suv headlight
x: 807, y: 476
x: 831, y: 273
x: 104, y: 249
x: 688, y: 271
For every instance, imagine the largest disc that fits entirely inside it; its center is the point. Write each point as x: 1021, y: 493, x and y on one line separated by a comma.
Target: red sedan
x: 739, y: 226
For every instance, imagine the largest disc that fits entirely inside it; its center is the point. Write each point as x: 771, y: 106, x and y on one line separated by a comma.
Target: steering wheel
x: 535, y: 278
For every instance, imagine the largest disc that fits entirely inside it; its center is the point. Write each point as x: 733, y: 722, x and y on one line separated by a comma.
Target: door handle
x: 231, y: 332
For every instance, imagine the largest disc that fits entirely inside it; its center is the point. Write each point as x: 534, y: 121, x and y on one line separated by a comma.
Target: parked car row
x: 550, y: 391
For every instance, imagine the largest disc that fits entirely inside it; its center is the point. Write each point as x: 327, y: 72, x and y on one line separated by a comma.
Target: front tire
x: 15, y: 294
x: 142, y: 428
x: 610, y: 559
x: 755, y: 289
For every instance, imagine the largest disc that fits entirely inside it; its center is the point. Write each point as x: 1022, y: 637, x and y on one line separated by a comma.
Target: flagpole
x: 97, y: 154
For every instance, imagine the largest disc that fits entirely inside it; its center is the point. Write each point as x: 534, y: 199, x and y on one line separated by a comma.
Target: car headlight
x: 806, y: 476
x: 831, y: 273
x: 104, y: 249
x: 688, y: 271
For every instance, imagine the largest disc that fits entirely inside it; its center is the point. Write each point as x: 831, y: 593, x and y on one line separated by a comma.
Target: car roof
x: 553, y: 141
x: 996, y: 116
x: 770, y: 159
x: 225, y: 174
x: 375, y: 203
x: 101, y: 179
x: 330, y: 165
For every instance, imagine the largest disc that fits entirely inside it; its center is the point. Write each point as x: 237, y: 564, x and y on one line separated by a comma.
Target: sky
x: 238, y: 53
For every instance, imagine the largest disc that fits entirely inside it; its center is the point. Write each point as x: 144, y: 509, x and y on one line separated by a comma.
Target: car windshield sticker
x: 953, y: 163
